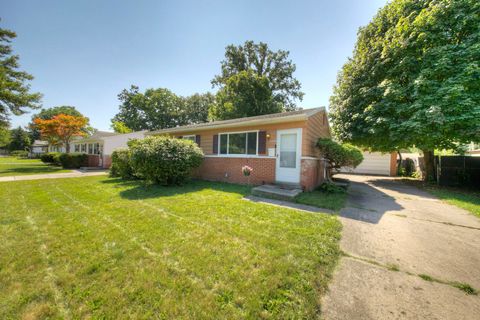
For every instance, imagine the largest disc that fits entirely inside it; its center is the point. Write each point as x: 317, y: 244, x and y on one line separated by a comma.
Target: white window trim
x: 242, y: 155
x: 190, y: 136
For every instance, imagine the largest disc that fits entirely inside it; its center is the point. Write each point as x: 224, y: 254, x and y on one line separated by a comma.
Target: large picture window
x: 239, y: 143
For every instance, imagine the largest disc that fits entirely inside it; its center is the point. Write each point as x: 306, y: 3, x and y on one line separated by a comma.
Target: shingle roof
x: 278, y: 117
x: 39, y: 143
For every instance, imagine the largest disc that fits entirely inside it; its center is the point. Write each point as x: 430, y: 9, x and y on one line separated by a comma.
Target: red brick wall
x: 393, y: 164
x: 107, y: 162
x: 230, y: 170
x: 311, y: 174
x: 93, y: 160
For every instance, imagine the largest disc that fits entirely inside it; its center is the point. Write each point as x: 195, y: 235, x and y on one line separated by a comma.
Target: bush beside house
x: 19, y: 153
x: 161, y: 160
x: 66, y: 160
x: 121, y: 166
x: 73, y: 160
x: 50, y: 157
x: 339, y: 155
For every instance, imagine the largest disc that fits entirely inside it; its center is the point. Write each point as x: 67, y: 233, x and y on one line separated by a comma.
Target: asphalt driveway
x: 392, y: 233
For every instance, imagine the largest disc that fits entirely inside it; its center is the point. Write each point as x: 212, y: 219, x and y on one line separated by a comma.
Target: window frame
x: 240, y: 155
x: 191, y: 137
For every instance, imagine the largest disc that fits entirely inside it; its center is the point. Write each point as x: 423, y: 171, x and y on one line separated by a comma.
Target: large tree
x: 413, y: 80
x: 160, y: 108
x: 245, y: 94
x: 19, y: 139
x: 197, y: 106
x: 60, y: 129
x: 15, y: 95
x: 47, y: 114
x: 5, y: 137
x: 275, y: 66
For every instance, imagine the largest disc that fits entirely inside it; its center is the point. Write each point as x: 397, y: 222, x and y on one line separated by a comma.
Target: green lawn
x: 467, y: 200
x: 11, y: 166
x: 317, y: 198
x: 101, y: 248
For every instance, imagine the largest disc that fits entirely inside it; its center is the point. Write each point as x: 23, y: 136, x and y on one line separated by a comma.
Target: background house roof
x: 263, y: 119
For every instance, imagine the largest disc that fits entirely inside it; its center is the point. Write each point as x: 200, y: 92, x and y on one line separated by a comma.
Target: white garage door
x: 373, y: 163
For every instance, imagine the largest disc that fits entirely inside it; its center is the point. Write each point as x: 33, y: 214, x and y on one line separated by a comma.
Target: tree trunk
x: 67, y: 147
x: 429, y: 173
x: 399, y: 163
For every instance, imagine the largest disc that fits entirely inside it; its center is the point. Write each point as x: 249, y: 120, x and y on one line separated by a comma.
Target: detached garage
x: 376, y: 163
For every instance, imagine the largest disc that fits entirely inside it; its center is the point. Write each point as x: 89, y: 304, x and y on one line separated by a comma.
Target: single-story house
x: 376, y: 163
x: 38, y: 147
x: 101, y: 144
x: 473, y: 149
x: 279, y: 147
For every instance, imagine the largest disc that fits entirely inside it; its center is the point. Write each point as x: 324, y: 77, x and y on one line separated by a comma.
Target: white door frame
x: 289, y: 175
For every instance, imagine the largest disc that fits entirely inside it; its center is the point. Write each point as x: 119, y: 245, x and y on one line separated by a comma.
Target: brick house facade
x: 279, y: 147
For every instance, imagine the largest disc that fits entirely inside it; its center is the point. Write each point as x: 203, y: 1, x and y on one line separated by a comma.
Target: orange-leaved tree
x: 61, y: 129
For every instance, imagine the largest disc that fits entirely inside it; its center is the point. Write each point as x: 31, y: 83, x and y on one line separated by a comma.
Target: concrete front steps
x: 277, y: 191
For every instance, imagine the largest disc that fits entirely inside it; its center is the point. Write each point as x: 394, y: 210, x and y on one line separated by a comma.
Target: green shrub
x: 19, y: 153
x: 164, y: 160
x: 339, y: 155
x: 329, y: 187
x: 73, y: 160
x: 121, y: 166
x: 50, y: 157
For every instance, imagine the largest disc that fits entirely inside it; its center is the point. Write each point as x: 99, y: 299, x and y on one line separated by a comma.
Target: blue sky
x: 83, y: 53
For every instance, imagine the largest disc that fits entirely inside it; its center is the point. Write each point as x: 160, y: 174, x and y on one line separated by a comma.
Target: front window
x: 238, y: 143
x: 189, y: 137
x: 83, y: 148
x: 77, y: 148
x: 90, y: 148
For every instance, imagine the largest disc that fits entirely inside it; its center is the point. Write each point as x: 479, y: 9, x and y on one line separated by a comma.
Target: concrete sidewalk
x: 392, y: 234
x: 74, y: 174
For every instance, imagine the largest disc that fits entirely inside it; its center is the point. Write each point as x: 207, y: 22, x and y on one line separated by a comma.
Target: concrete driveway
x: 392, y: 233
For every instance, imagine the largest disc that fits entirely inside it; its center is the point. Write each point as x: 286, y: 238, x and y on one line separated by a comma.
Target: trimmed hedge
x: 164, y: 160
x: 121, y: 166
x: 50, y: 157
x: 339, y: 155
x: 19, y: 153
x: 73, y: 160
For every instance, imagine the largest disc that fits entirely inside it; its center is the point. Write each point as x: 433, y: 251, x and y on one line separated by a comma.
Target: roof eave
x: 213, y: 126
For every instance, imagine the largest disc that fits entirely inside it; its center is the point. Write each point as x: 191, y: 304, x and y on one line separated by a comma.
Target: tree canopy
x: 60, y: 129
x: 49, y: 113
x: 414, y: 78
x: 244, y: 94
x: 120, y: 127
x: 160, y: 108
x: 274, y: 66
x: 18, y: 139
x: 15, y: 95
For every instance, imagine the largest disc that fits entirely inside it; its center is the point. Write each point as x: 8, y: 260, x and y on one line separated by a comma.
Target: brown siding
x: 316, y: 127
x: 271, y: 129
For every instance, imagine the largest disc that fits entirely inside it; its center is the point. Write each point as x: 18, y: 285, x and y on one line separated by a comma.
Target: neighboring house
x: 279, y: 147
x: 39, y: 147
x: 473, y: 149
x: 376, y: 163
x: 101, y: 144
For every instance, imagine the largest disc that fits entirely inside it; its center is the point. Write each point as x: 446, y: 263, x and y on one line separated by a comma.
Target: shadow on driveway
x: 366, y: 203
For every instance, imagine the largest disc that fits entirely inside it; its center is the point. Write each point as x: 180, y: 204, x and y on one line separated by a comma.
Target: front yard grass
x: 317, y: 198
x: 11, y: 166
x: 468, y: 200
x: 98, y: 247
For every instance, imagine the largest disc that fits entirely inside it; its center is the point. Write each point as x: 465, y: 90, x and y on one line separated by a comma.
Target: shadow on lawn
x: 34, y: 169
x: 138, y: 189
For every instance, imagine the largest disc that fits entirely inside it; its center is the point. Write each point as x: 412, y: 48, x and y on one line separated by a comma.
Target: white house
x: 101, y: 145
